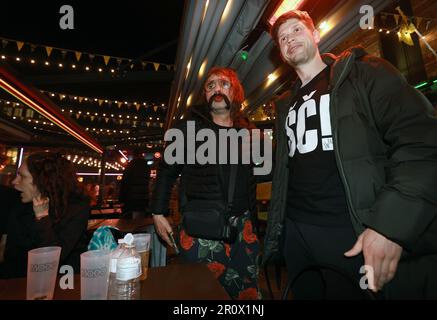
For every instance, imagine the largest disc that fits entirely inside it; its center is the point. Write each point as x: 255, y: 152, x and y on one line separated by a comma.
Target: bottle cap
x: 128, y: 239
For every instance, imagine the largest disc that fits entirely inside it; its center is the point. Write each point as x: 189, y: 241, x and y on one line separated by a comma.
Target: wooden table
x: 173, y: 282
x: 124, y: 225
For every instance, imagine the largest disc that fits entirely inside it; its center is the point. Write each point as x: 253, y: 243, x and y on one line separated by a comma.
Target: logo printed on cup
x: 94, y: 273
x: 43, y: 267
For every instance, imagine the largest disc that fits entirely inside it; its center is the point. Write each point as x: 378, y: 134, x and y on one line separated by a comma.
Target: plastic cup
x: 142, y: 245
x: 42, y: 269
x: 94, y: 274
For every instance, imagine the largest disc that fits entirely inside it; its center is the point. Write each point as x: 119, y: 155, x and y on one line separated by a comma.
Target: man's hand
x: 162, y: 227
x: 379, y: 253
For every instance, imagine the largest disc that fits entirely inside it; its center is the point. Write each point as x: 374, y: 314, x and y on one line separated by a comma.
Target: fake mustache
x: 211, y: 99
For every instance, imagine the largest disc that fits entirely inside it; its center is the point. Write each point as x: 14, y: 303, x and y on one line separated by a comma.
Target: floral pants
x: 235, y: 265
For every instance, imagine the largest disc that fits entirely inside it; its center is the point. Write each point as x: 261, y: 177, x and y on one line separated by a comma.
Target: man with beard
x: 354, y: 181
x: 234, y: 264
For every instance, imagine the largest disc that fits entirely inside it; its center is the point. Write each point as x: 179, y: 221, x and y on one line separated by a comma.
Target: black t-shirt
x: 315, y: 191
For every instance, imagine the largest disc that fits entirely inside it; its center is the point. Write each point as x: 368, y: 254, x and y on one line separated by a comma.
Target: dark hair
x: 55, y: 178
x: 293, y: 14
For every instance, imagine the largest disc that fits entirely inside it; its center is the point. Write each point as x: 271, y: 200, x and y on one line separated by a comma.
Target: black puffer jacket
x: 385, y: 142
x: 198, y: 181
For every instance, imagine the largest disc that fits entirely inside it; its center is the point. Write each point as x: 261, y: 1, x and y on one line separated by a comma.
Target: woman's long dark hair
x: 55, y: 177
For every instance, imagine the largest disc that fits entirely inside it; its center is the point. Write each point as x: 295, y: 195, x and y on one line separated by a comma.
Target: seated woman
x: 54, y: 212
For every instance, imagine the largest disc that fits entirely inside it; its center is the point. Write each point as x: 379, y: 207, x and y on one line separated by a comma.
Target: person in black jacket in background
x: 134, y: 188
x: 235, y: 264
x: 54, y: 212
x: 9, y: 197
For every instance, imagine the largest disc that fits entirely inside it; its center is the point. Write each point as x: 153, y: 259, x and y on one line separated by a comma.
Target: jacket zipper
x: 357, y: 221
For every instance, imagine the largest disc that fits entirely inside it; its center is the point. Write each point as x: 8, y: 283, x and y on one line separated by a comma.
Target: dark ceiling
x: 137, y: 33
x: 129, y: 30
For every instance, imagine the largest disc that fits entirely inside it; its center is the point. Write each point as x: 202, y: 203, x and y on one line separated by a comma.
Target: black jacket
x: 134, y: 188
x: 26, y: 233
x: 385, y: 143
x: 9, y: 198
x: 197, y: 181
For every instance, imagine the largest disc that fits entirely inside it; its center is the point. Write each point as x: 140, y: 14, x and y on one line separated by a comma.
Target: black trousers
x: 307, y: 245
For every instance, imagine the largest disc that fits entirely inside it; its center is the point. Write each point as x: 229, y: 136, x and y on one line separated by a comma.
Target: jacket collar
x: 340, y: 66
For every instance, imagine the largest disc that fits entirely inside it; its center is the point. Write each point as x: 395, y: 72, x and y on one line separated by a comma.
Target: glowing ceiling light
x: 202, y: 68
x: 324, y: 27
x: 188, y: 68
x: 189, y: 100
x: 271, y: 78
x: 226, y: 11
x: 286, y: 5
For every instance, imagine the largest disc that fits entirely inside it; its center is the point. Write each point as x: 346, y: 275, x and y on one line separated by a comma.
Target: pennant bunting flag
x: 106, y: 59
x: 78, y: 55
x: 156, y: 65
x: 100, y: 102
x: 49, y: 51
x: 20, y: 45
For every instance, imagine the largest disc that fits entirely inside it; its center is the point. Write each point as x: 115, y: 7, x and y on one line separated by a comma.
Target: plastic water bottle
x: 112, y: 287
x: 128, y: 271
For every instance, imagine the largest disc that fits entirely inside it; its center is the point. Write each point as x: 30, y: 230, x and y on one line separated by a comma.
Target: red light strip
x: 6, y: 86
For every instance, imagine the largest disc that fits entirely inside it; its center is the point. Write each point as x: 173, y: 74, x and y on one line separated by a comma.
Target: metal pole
x: 102, y: 179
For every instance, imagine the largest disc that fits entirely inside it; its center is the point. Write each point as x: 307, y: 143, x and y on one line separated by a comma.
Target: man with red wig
x: 207, y: 185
